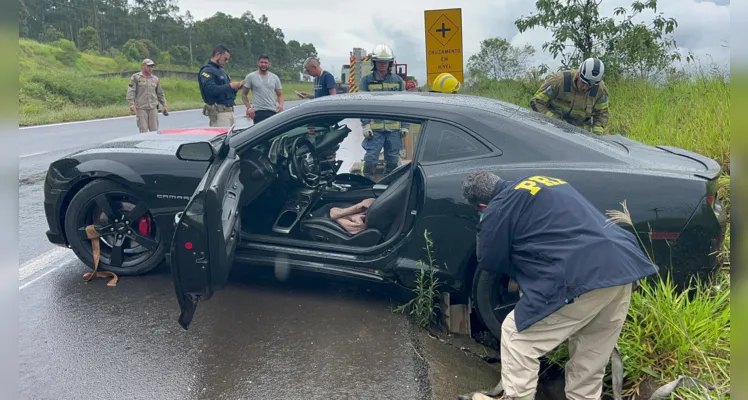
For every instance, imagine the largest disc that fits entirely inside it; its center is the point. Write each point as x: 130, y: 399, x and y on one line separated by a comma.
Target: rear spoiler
x: 713, y: 169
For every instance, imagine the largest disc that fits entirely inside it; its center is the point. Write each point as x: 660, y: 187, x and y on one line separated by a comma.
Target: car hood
x: 160, y: 142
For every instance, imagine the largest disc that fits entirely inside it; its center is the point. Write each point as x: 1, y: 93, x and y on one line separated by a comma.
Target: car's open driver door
x: 207, y: 231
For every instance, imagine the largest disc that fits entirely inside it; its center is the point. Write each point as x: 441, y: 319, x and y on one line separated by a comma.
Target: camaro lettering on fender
x: 531, y: 183
x: 172, y: 197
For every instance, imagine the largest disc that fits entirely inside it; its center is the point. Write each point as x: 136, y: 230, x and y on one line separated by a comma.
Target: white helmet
x: 382, y: 52
x: 591, y: 71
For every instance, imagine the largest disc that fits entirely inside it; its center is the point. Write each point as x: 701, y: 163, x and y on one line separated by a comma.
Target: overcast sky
x: 335, y: 27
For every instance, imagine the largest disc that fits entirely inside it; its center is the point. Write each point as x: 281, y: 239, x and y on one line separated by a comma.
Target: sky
x: 335, y: 27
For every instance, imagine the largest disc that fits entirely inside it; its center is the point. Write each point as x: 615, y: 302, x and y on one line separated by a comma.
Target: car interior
x: 293, y: 180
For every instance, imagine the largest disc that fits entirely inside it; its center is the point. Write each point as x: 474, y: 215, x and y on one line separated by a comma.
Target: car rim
x: 129, y: 233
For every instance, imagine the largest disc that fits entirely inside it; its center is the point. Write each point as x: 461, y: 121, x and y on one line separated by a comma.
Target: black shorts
x: 263, y: 114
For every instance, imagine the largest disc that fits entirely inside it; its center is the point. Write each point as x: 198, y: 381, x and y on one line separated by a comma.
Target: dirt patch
x: 457, y: 365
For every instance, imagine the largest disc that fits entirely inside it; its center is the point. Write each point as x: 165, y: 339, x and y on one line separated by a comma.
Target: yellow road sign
x: 443, y: 43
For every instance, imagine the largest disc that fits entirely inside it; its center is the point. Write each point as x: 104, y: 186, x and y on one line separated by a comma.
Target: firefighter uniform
x: 145, y: 93
x: 387, y: 134
x: 559, y: 97
x: 380, y: 133
x: 575, y: 273
x: 217, y: 94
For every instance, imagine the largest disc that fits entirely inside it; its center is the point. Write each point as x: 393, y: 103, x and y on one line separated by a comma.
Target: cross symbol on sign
x: 443, y: 30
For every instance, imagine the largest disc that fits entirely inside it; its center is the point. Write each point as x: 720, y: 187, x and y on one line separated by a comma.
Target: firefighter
x: 380, y: 133
x: 445, y: 83
x: 578, y: 96
x: 144, y: 93
x: 575, y: 276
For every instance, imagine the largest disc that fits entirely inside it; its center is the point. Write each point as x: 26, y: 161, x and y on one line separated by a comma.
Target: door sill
x: 347, y: 252
x: 253, y: 258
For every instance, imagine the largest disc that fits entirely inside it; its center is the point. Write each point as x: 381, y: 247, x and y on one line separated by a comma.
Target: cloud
x: 335, y: 27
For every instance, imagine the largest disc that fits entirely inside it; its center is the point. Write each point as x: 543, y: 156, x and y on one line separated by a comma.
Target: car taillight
x: 710, y: 200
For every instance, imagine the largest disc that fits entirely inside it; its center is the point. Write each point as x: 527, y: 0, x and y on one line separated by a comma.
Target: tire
x: 488, y: 293
x: 139, y: 257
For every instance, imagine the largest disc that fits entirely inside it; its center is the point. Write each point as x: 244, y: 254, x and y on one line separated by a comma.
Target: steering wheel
x: 305, y: 165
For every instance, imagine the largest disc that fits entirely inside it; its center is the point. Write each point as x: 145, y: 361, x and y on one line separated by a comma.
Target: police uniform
x: 575, y: 274
x: 145, y: 93
x: 217, y: 94
x: 559, y: 97
x: 386, y: 133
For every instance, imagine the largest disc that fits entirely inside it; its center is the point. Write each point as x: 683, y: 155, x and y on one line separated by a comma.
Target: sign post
x: 443, y: 43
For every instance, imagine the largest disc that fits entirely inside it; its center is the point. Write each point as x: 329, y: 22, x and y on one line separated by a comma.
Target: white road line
x: 94, y: 120
x: 53, y: 257
x: 38, y: 277
x: 34, y: 154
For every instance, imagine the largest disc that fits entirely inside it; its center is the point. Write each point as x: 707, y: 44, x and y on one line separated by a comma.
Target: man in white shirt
x: 265, y: 87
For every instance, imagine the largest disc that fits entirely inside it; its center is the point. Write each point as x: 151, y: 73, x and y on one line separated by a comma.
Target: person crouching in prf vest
x: 575, y: 274
x: 144, y: 92
x: 217, y: 90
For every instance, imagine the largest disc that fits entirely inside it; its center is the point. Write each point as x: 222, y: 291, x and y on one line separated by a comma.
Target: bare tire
x: 131, y: 243
x: 492, y: 299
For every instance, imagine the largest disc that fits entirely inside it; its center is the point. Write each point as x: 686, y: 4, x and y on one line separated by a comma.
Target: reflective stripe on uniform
x: 384, y: 125
x: 597, y: 129
x: 540, y: 95
x: 373, y: 87
x: 550, y: 114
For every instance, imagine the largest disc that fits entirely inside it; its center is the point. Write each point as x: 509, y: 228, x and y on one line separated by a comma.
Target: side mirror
x: 200, y: 151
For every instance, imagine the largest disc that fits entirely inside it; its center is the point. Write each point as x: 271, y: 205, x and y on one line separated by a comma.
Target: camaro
x: 201, y: 199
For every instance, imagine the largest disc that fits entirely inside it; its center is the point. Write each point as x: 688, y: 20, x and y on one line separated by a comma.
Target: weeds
x: 425, y: 304
x: 670, y: 333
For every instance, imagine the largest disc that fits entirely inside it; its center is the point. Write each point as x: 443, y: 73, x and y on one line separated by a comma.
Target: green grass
x: 667, y: 334
x: 692, y: 114
x: 52, y: 91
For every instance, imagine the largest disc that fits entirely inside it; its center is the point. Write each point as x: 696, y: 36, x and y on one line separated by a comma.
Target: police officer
x: 445, y: 83
x: 577, y: 96
x: 217, y: 90
x: 379, y: 133
x: 575, y: 277
x: 144, y: 92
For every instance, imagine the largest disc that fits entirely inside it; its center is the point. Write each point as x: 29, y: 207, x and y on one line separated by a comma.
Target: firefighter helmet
x: 591, y: 71
x: 382, y: 52
x: 445, y: 83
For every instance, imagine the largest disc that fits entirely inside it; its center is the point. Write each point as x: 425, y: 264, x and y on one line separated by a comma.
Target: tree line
x: 155, y: 29
x: 628, y: 48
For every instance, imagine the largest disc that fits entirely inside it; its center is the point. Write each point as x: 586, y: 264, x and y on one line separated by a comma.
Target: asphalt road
x: 308, y: 336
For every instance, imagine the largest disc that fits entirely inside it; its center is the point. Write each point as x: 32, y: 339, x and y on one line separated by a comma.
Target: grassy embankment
x: 667, y: 334
x: 54, y: 90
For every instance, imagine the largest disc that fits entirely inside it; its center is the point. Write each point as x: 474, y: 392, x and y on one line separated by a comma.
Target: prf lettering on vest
x: 531, y: 183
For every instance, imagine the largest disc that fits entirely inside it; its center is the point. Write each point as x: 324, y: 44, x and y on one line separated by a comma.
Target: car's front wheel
x: 130, y: 243
x: 493, y: 300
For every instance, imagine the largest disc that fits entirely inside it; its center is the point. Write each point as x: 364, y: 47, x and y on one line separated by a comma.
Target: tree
x: 498, y: 59
x: 88, y: 39
x: 627, y: 46
x: 180, y: 55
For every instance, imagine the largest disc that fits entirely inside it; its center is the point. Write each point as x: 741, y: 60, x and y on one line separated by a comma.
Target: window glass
x: 446, y: 142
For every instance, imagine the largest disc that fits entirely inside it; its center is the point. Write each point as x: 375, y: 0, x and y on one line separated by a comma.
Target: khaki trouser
x: 592, y: 324
x: 147, y: 120
x: 219, y: 115
x: 224, y: 119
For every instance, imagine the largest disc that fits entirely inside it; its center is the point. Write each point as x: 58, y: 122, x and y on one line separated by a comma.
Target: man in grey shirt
x: 265, y: 87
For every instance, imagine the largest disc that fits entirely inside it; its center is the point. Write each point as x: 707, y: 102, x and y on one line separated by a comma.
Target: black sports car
x: 265, y: 192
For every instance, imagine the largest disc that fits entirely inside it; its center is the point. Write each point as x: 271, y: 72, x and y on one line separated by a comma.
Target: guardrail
x: 159, y: 73
x: 171, y: 74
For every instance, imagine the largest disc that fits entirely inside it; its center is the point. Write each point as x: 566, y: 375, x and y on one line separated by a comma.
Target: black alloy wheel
x: 131, y: 243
